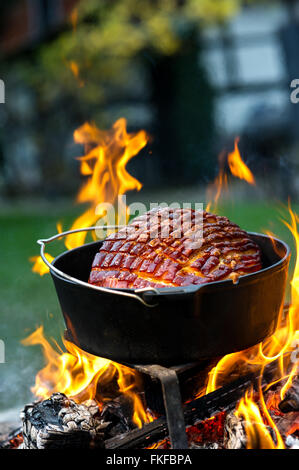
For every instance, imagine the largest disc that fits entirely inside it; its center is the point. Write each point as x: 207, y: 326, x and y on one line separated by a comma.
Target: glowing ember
x: 16, y: 441
x: 203, y: 433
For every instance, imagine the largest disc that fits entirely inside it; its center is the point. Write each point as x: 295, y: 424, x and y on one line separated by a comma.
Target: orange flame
x: 82, y: 376
x: 104, y: 165
x: 237, y: 166
x: 74, y: 19
x: 107, y: 154
x: 74, y: 68
x: 220, y: 183
x: 257, y: 433
x: 39, y: 266
x: 289, y: 381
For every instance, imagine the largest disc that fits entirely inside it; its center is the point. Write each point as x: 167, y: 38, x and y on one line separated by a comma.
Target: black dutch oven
x: 169, y: 326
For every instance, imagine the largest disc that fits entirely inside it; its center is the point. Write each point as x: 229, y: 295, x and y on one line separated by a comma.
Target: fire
x: 104, y: 166
x: 237, y: 168
x: 39, y: 266
x: 74, y: 67
x: 278, y: 349
x: 74, y: 19
x: 289, y: 381
x: 82, y: 376
x: 257, y: 433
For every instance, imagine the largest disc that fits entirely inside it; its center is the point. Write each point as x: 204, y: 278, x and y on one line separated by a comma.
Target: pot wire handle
x: 45, y: 241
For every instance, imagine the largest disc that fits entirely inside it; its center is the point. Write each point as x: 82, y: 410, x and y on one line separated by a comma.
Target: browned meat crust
x: 199, y: 247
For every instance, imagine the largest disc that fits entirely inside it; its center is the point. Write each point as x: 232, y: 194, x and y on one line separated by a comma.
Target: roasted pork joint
x: 174, y: 247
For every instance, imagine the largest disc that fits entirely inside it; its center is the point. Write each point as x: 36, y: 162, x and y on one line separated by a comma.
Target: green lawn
x: 28, y: 300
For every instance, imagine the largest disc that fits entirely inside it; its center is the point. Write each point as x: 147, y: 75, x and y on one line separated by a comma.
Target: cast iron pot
x: 170, y: 326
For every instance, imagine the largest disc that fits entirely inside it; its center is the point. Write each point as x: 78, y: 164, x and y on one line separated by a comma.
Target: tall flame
x: 104, y: 165
x: 107, y: 154
x: 82, y: 376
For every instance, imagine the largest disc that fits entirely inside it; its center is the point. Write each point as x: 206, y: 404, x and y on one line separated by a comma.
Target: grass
x: 28, y: 300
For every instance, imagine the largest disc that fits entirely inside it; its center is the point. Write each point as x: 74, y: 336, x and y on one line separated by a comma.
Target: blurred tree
x: 93, y: 63
x: 106, y: 37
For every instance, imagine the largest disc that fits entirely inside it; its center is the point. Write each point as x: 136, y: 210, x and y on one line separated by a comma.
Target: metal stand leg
x: 172, y: 402
x: 171, y: 397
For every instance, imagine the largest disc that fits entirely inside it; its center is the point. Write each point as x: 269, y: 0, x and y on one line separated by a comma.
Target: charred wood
x: 198, y: 410
x: 10, y: 436
x: 290, y: 402
x: 117, y: 414
x: 212, y: 445
x: 287, y: 424
x: 234, y: 432
x: 59, y: 422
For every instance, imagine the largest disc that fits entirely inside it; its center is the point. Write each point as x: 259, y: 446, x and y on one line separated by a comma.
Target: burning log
x: 236, y: 433
x: 195, y: 411
x: 10, y: 436
x: 212, y: 445
x: 211, y: 422
x: 59, y: 422
x: 287, y: 424
x: 207, y: 434
x: 117, y: 415
x: 291, y: 400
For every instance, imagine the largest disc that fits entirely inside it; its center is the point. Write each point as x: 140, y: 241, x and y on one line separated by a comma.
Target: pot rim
x: 192, y: 288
